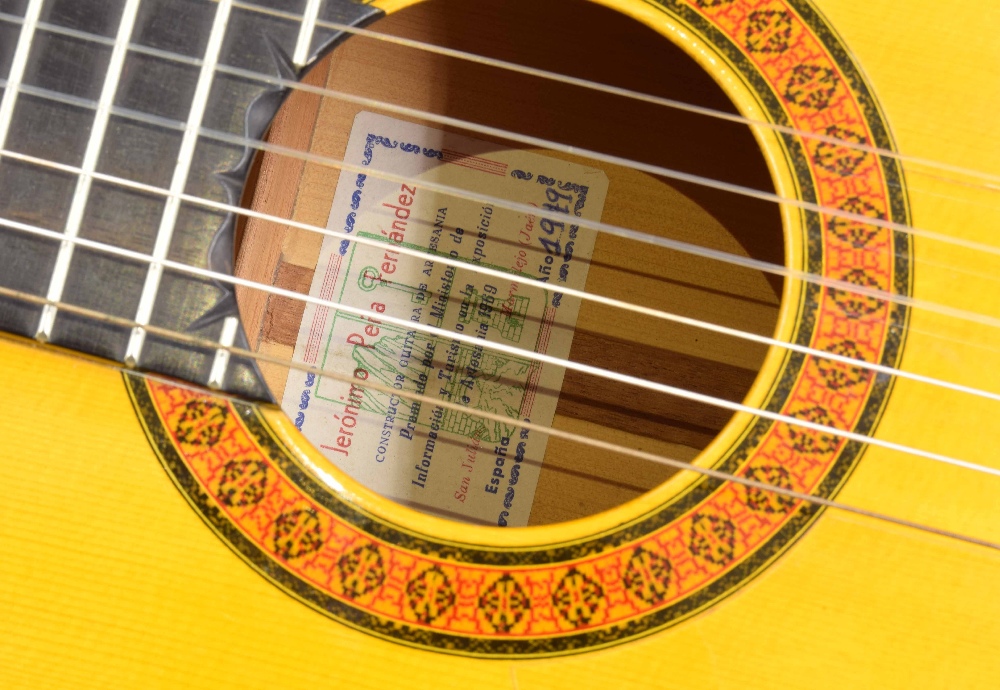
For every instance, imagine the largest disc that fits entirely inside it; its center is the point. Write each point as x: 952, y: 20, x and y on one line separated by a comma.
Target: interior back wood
x: 583, y: 40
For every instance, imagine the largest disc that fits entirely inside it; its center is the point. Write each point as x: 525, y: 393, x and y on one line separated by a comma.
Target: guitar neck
x: 124, y: 127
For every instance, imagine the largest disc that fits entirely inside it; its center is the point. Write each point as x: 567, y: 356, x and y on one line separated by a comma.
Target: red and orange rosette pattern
x: 664, y: 566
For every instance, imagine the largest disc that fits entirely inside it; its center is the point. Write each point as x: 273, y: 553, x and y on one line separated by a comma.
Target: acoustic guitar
x: 762, y: 383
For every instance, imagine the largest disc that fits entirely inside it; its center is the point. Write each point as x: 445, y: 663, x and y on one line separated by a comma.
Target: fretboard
x: 123, y: 127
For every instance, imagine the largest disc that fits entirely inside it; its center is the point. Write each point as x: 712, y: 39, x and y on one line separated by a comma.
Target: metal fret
x: 217, y: 377
x: 303, y: 47
x: 184, y: 159
x: 81, y: 195
x: 17, y: 68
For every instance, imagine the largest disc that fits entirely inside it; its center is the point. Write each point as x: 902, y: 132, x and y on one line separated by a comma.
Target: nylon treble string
x: 479, y: 268
x: 676, y: 391
x: 590, y: 441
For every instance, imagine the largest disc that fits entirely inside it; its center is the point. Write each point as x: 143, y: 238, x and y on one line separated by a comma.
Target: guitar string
x: 196, y: 62
x: 546, y: 286
x: 834, y: 284
x: 611, y: 229
x: 673, y: 104
x: 425, y: 185
x: 993, y: 180
x: 775, y: 269
x: 662, y: 171
x: 453, y: 335
x: 912, y: 302
x: 371, y: 315
x: 180, y: 174
x: 676, y: 245
x: 607, y: 446
x: 651, y: 169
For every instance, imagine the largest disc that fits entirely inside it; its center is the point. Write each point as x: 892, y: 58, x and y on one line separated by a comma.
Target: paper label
x: 426, y: 456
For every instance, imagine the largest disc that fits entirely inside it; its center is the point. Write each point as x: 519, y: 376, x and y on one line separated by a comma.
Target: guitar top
x: 767, y: 452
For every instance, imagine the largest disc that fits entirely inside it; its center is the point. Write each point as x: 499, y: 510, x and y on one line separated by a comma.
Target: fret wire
x: 17, y: 67
x: 994, y: 180
x: 582, y: 439
x: 185, y: 157
x: 511, y: 350
x: 217, y: 376
x: 528, y: 282
x: 81, y: 194
x: 306, y: 30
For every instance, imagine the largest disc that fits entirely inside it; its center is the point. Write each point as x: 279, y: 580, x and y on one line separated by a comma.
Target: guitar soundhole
x: 582, y: 40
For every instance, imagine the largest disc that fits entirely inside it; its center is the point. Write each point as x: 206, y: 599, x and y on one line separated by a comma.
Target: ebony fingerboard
x: 52, y: 114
